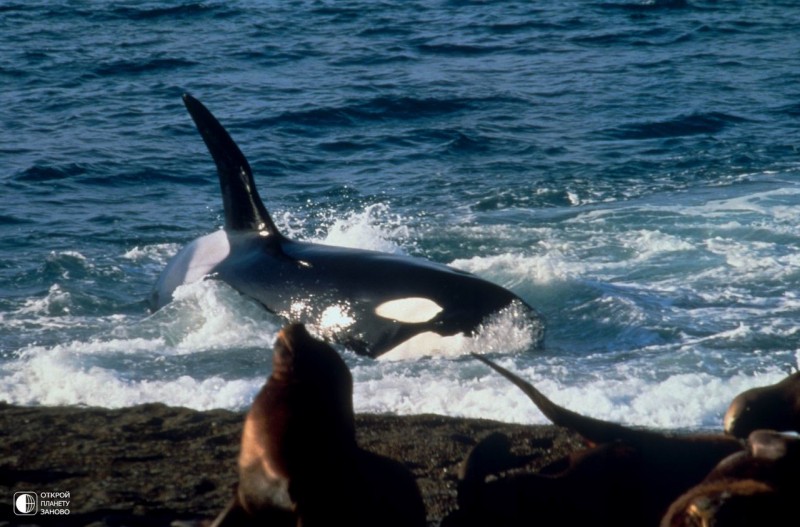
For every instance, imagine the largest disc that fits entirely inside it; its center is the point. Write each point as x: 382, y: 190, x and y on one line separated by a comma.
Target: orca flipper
x: 244, y: 210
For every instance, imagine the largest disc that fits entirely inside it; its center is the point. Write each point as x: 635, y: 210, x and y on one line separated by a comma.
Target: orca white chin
x: 371, y: 302
x: 427, y: 344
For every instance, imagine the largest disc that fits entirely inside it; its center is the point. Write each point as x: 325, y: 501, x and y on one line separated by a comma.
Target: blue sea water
x: 630, y: 168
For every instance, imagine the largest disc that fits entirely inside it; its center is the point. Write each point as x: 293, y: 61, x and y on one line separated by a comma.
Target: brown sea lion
x: 577, y: 490
x: 627, y: 476
x: 300, y: 463
x: 775, y: 407
x: 758, y: 486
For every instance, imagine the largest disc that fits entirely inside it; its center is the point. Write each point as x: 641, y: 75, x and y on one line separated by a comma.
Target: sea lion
x: 575, y: 490
x: 626, y: 476
x: 775, y: 407
x: 300, y: 463
x: 758, y: 486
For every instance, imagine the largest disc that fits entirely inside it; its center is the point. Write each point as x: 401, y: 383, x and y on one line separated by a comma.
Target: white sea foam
x: 682, y: 401
x: 69, y: 374
x: 56, y: 377
x: 56, y: 301
x: 513, y: 269
x: 158, y: 253
x: 123, y: 364
x: 374, y: 228
x: 647, y: 244
x: 74, y: 255
x: 210, y: 315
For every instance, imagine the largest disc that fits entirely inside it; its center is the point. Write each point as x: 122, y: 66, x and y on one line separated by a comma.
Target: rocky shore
x: 154, y: 465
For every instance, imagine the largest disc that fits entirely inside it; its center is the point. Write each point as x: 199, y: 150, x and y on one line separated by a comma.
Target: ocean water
x: 630, y: 168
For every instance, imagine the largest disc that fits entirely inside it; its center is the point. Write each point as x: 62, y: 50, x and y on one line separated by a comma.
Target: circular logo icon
x: 25, y: 503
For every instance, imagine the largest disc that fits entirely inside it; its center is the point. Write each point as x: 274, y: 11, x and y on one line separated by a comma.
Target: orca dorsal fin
x: 244, y: 210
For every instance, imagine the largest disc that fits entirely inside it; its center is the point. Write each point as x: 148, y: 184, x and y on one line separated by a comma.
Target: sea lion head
x: 775, y: 407
x: 317, y: 375
x: 297, y: 355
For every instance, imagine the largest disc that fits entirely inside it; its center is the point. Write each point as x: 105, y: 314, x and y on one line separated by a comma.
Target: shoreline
x: 154, y: 464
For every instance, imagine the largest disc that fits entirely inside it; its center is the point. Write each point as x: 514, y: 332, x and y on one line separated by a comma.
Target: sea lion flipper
x: 593, y: 430
x: 232, y: 515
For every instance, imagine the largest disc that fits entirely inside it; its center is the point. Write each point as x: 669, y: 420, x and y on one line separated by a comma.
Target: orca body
x: 368, y: 301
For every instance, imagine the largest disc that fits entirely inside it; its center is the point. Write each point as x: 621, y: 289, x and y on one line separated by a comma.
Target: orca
x: 368, y: 301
